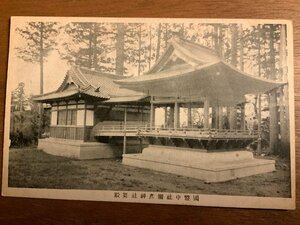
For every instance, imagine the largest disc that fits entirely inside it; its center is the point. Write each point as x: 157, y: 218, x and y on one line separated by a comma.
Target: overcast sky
x: 54, y: 71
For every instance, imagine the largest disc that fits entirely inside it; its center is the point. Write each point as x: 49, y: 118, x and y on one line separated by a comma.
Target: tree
x: 283, y: 94
x: 272, y: 74
x: 158, y: 42
x: 234, y: 61
x: 241, y: 47
x: 234, y: 44
x: 24, y: 118
x: 120, y: 56
x: 90, y: 45
x: 18, y: 98
x: 18, y: 102
x: 39, y: 41
x: 151, y: 47
x: 136, y: 46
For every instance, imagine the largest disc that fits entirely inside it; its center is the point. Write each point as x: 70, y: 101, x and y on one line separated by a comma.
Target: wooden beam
x: 165, y: 100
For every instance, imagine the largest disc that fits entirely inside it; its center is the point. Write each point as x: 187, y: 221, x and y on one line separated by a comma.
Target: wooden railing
x: 187, y: 132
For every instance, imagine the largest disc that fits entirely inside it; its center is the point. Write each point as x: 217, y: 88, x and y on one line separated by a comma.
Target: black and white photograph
x: 166, y: 111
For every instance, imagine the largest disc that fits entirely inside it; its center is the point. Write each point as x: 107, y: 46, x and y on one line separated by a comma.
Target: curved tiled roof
x: 203, y: 74
x: 91, y: 83
x: 193, y: 54
x: 104, y: 83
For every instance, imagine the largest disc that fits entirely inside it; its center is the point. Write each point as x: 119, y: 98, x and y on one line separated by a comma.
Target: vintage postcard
x: 167, y: 111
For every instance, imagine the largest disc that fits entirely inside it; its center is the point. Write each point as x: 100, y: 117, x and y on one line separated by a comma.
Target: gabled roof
x: 192, y: 54
x: 82, y: 81
x: 203, y: 74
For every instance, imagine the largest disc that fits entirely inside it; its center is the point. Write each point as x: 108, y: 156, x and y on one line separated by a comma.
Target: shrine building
x: 98, y: 115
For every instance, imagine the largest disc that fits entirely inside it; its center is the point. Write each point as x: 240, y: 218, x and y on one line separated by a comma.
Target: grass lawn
x: 33, y: 168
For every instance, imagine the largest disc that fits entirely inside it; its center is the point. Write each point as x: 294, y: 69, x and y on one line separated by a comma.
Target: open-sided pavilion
x: 192, y: 76
x: 90, y: 106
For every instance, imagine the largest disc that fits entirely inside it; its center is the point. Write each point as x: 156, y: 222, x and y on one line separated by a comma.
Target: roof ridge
x: 45, y: 94
x: 82, y: 78
x: 63, y: 82
x: 97, y: 72
x: 195, y: 44
x: 182, y: 46
x: 158, y: 61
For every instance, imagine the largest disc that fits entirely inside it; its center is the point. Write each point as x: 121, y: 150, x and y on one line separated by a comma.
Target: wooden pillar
x: 166, y: 117
x: 125, y: 127
x: 232, y: 118
x: 206, y: 113
x: 259, y: 124
x: 215, y: 117
x: 220, y: 126
x: 176, y: 113
x: 171, y: 118
x: 189, y: 115
x: 151, y: 113
x: 243, y: 124
x: 75, y: 132
x: 273, y: 121
x: 153, y: 117
x: 178, y: 116
x: 84, y: 123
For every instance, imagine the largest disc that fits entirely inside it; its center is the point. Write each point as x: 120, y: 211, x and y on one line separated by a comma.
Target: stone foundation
x: 78, y: 149
x: 200, y: 164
